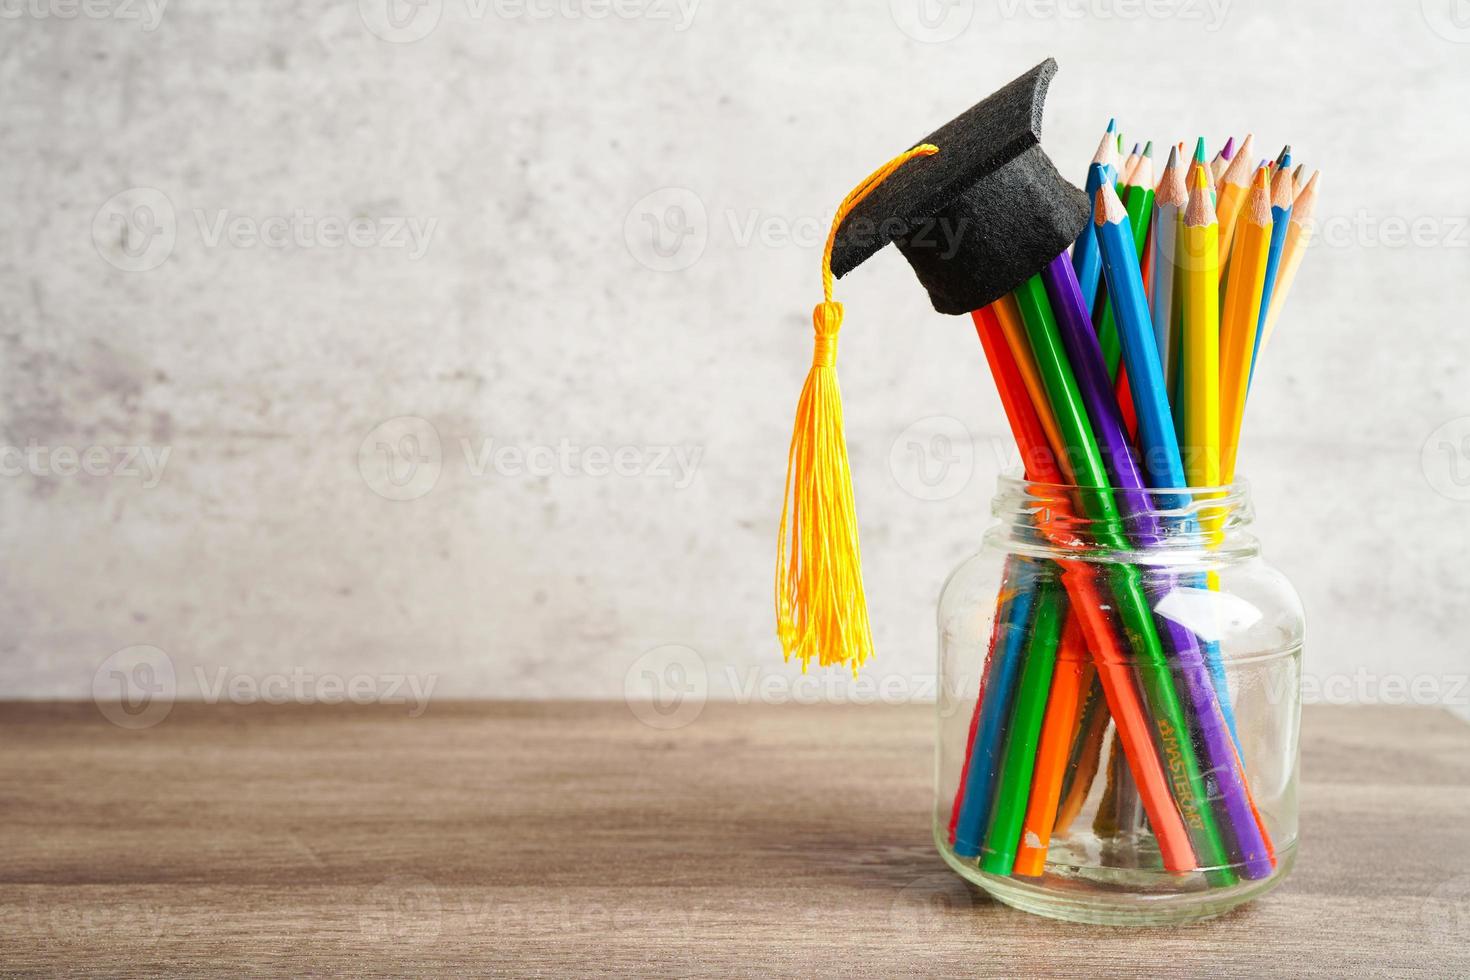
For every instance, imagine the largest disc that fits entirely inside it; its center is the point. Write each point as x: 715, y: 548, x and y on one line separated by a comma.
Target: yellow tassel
x: 821, y: 610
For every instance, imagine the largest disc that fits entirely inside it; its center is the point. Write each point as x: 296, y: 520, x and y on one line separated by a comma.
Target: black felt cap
x: 981, y: 216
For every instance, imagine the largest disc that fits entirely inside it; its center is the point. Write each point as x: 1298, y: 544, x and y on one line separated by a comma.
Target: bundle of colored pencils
x: 1124, y: 368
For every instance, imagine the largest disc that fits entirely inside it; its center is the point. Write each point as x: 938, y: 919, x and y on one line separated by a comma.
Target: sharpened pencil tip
x: 1148, y: 149
x: 1112, y: 125
x: 1228, y: 150
x: 1173, y: 158
x: 1284, y: 160
x: 1199, y: 150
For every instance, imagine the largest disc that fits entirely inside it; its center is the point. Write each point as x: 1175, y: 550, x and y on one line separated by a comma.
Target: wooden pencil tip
x: 1148, y: 149
x: 1199, y: 150
x: 1228, y: 150
x: 1282, y: 191
x: 1109, y: 207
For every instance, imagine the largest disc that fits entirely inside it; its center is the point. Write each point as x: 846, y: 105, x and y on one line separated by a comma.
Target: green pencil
x: 1018, y: 763
x: 1185, y: 778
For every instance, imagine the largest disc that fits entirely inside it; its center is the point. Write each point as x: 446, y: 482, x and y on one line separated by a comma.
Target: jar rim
x: 1154, y: 521
x: 1014, y: 479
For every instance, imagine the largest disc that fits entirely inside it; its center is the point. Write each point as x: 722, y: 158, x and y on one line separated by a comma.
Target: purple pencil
x: 1217, y: 750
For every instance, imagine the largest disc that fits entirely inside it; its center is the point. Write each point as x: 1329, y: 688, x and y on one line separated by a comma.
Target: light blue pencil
x: 1085, y: 259
x: 1283, y: 197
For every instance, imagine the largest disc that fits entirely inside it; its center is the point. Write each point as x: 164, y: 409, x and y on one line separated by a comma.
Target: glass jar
x: 1118, y: 724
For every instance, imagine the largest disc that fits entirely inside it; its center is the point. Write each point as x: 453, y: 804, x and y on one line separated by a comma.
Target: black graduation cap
x: 981, y: 216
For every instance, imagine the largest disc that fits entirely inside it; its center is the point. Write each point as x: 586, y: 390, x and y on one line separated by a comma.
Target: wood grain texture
x: 552, y: 839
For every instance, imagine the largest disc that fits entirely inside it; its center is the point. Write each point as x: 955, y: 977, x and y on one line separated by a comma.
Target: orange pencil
x: 1234, y: 184
x: 1015, y: 335
x: 1092, y: 725
x: 1052, y: 750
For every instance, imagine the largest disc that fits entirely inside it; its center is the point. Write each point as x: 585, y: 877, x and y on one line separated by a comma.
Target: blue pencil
x: 1084, y: 253
x: 1283, y: 197
x: 1163, y: 464
x: 995, y: 708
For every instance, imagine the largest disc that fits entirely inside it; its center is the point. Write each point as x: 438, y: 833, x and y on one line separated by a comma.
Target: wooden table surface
x: 554, y: 839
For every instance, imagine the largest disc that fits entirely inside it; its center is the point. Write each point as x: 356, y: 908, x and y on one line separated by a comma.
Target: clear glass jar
x: 1118, y: 724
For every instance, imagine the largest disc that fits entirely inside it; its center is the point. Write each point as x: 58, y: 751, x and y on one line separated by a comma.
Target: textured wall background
x: 546, y: 276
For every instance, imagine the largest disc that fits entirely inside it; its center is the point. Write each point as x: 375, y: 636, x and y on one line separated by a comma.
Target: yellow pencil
x: 1242, y: 310
x: 1199, y: 262
x: 1234, y: 184
x: 1298, y: 237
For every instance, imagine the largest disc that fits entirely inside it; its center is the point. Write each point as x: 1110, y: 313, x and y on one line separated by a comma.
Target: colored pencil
x: 1222, y: 161
x: 1084, y: 252
x: 1056, y: 316
x: 1007, y: 589
x: 1003, y: 836
x: 1165, y: 469
x: 1238, y: 319
x: 1069, y: 677
x: 1282, y: 200
x: 974, y: 796
x: 1198, y: 256
x: 1113, y: 663
x: 1164, y: 297
x: 1083, y: 759
x: 1125, y: 171
x: 1004, y: 310
x: 997, y: 690
x: 1234, y: 184
x: 1139, y: 190
x: 1110, y: 658
x: 1298, y: 237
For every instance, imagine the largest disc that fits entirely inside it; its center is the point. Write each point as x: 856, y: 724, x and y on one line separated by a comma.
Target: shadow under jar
x: 1119, y: 707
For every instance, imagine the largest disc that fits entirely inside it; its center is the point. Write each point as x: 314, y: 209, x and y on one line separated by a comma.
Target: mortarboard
x: 977, y: 209
x: 981, y: 216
